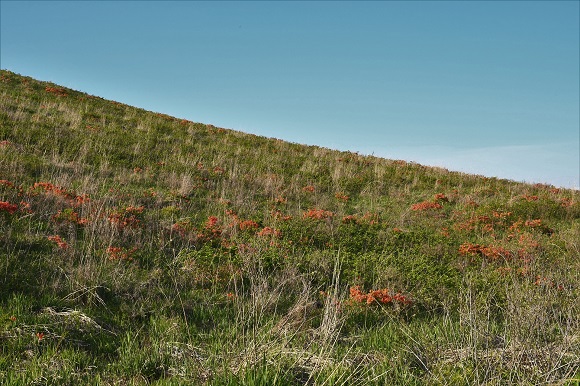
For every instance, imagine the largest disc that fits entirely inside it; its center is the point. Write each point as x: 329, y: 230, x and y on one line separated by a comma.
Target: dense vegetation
x: 137, y: 248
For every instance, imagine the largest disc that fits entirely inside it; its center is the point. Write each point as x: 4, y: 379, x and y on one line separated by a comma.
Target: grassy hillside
x: 137, y: 248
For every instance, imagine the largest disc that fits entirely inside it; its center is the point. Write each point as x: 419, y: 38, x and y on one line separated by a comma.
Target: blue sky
x: 489, y: 87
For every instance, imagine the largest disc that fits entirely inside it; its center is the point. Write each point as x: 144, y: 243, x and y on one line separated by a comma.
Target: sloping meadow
x: 138, y: 248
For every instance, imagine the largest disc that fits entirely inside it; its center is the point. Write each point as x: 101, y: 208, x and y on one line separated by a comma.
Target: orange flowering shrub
x: 501, y: 215
x: 533, y: 223
x: 181, y: 227
x: 49, y: 188
x: 79, y: 200
x: 491, y: 251
x: 248, y: 225
x: 382, y: 296
x: 211, y: 229
x: 309, y: 189
x: 529, y: 198
x: 56, y: 90
x: 6, y: 183
x: 231, y: 213
x: 70, y: 216
x: 469, y: 249
x: 165, y: 116
x: 483, y: 222
x: 150, y: 193
x: 267, y: 231
x: 118, y: 253
x: 211, y: 222
x: 25, y: 206
x: 370, y: 218
x: 528, y: 247
x: 350, y: 219
x: 280, y: 216
x: 527, y: 240
x: 59, y: 241
x: 281, y: 200
x: 546, y: 282
x: 130, y: 217
x: 341, y: 196
x: 8, y: 207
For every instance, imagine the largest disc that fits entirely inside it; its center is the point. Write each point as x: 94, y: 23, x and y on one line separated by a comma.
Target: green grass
x: 138, y: 248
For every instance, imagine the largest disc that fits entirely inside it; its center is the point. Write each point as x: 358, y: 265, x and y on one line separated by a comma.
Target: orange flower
x: 357, y: 295
x: 382, y: 296
x: 281, y: 200
x: 59, y: 191
x: 267, y: 231
x: 127, y: 217
x: 59, y: 241
x: 8, y: 207
x: 350, y: 219
x: 6, y: 183
x: 533, y: 223
x: 530, y: 198
x: 248, y: 224
x: 69, y: 215
x: 490, y: 251
x: 56, y: 91
x: 118, y: 253
x: 468, y: 249
x: 211, y: 222
x: 501, y: 215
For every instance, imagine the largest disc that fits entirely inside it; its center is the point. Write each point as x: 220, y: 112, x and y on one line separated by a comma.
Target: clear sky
x: 488, y: 87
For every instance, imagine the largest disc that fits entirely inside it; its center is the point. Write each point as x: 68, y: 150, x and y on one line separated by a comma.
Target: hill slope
x: 137, y: 248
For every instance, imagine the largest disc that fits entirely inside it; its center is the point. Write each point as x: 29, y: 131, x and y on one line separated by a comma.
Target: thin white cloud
x: 557, y: 164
